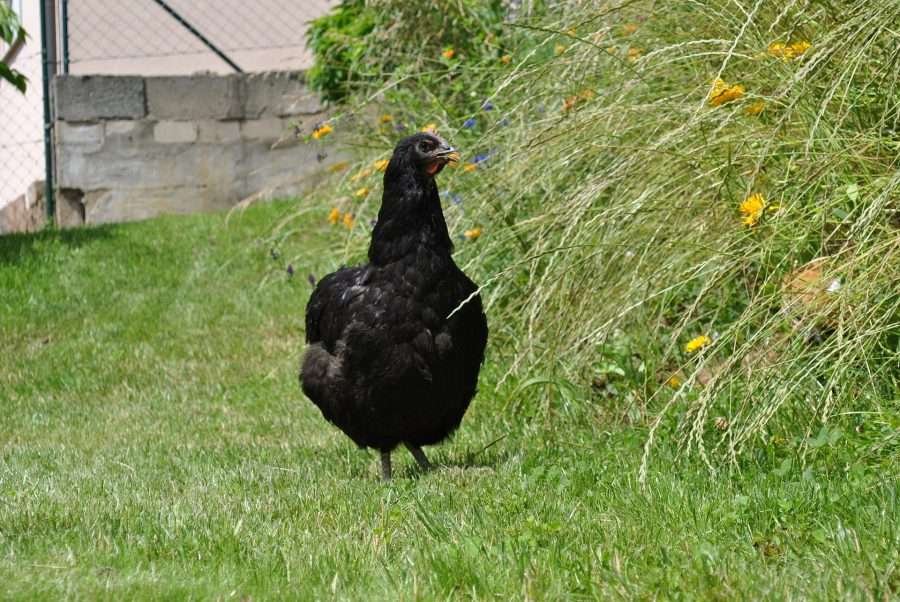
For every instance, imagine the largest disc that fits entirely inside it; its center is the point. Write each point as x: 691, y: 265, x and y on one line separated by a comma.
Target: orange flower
x: 470, y: 167
x: 722, y: 93
x: 322, y: 131
x: 448, y: 53
x: 334, y: 216
x: 755, y: 108
x: 348, y: 220
x: 634, y: 53
x: 472, y: 234
x: 381, y: 164
x: 362, y: 193
x: 386, y: 118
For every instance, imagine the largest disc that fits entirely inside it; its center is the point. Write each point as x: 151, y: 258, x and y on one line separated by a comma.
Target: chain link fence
x: 179, y: 37
x: 21, y: 129
x: 140, y: 37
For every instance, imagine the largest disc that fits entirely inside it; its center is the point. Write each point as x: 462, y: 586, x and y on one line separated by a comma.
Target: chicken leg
x: 419, y: 455
x: 385, y: 466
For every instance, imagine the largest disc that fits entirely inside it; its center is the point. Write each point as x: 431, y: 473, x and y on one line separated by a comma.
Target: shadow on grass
x: 16, y: 247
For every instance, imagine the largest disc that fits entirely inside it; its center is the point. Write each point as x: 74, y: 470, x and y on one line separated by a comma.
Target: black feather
x: 386, y: 363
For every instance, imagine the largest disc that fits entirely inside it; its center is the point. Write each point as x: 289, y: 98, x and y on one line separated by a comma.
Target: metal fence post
x: 64, y: 33
x: 48, y: 60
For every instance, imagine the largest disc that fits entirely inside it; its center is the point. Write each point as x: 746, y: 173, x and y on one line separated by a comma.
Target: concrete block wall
x: 135, y: 147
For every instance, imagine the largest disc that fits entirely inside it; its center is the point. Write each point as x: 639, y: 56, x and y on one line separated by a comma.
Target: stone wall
x: 135, y: 147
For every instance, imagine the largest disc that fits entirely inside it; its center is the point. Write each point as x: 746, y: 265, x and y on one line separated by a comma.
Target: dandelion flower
x: 362, y: 192
x: 629, y: 28
x: 559, y: 49
x: 752, y: 209
x: 674, y: 381
x: 334, y: 216
x: 788, y: 51
x: 799, y: 48
x: 697, y: 343
x: 386, y: 118
x: 755, y: 108
x: 472, y: 234
x: 381, y: 164
x: 469, y: 167
x: 348, y: 220
x: 506, y: 59
x: 338, y: 167
x: 430, y: 127
x: 322, y: 131
x: 635, y: 53
x: 721, y: 92
x: 448, y: 53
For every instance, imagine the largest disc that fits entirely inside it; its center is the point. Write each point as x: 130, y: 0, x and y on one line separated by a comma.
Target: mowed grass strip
x: 154, y: 445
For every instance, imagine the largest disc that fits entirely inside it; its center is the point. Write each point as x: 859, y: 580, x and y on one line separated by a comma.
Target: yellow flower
x: 799, y: 48
x: 629, y: 28
x: 430, y: 127
x: 322, y: 131
x: 362, y: 193
x: 697, y: 343
x: 386, y: 118
x: 505, y: 59
x: 340, y: 166
x: 381, y: 164
x: 449, y: 53
x: 365, y: 173
x: 612, y: 50
x: 756, y: 108
x: 752, y: 209
x: 559, y: 49
x: 788, y: 51
x: 335, y: 216
x: 634, y: 53
x: 674, y: 381
x: 472, y: 234
x: 470, y: 167
x: 348, y: 220
x: 722, y: 93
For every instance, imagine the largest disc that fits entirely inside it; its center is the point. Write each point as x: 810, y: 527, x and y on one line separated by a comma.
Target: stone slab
x: 194, y: 97
x: 279, y: 94
x: 96, y: 97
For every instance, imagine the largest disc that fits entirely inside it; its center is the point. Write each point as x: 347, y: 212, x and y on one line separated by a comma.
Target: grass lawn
x: 154, y: 443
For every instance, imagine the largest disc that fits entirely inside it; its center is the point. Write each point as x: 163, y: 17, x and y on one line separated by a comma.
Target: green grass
x: 154, y: 444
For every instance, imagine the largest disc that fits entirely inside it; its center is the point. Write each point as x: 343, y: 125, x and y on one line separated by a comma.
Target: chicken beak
x: 447, y: 153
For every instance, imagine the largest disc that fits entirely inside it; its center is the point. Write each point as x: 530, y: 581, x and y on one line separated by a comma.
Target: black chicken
x: 395, y: 345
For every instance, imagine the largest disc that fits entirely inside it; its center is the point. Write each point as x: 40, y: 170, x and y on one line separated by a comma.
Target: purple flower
x: 290, y: 270
x: 481, y: 158
x: 487, y: 106
x: 503, y: 122
x: 454, y: 198
x: 470, y: 123
x: 311, y: 279
x: 399, y: 127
